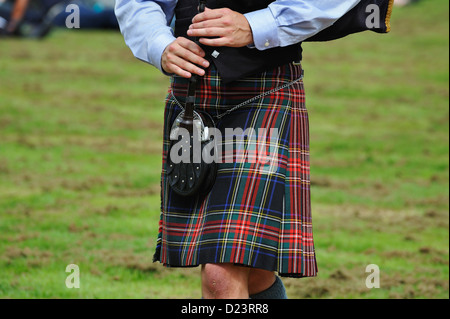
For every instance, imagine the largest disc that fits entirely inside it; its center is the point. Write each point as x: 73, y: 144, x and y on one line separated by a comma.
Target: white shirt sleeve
x: 287, y: 22
x: 145, y: 27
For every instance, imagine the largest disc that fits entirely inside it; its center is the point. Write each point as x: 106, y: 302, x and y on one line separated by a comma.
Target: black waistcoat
x: 235, y: 63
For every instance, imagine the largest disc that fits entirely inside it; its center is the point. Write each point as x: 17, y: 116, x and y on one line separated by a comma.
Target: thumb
x: 202, y: 15
x: 206, y: 9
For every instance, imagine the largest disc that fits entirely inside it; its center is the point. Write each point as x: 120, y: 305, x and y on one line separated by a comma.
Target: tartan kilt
x: 258, y: 214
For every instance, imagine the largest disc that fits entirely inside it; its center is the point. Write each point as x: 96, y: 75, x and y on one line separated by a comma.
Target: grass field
x: 80, y: 152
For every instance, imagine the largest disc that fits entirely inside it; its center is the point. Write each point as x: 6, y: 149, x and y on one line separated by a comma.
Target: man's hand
x: 182, y: 56
x: 226, y: 27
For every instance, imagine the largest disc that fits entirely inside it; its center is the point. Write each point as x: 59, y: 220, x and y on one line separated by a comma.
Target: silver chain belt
x: 249, y: 101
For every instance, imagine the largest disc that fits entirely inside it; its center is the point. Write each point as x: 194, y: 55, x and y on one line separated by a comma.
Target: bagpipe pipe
x: 367, y: 15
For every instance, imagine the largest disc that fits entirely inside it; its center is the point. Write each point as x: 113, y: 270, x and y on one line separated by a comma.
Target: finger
x: 186, y: 65
x: 181, y: 56
x: 192, y: 57
x: 189, y: 51
x: 174, y: 64
x: 175, y: 69
x: 208, y: 32
x: 209, y: 14
x: 210, y: 23
x: 191, y: 46
x: 215, y: 23
x: 217, y: 42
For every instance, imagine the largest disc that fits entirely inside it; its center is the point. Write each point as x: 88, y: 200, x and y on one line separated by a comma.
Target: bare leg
x: 228, y: 281
x: 260, y: 280
x: 225, y: 281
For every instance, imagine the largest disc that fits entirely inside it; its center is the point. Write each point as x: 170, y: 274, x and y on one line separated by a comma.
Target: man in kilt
x: 255, y: 222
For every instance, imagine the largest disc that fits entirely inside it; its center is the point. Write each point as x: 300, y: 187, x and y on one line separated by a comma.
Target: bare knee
x: 260, y: 280
x: 222, y: 281
x: 214, y: 279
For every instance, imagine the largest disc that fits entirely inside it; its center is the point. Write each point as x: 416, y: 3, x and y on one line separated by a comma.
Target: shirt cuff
x: 264, y: 29
x: 156, y: 49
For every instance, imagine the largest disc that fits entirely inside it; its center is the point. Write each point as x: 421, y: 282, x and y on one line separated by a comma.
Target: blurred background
x: 80, y: 156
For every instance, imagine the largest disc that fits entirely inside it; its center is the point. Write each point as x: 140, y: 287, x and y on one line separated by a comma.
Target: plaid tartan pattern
x: 257, y: 214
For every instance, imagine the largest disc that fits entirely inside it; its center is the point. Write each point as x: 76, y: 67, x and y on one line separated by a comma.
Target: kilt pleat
x: 258, y: 213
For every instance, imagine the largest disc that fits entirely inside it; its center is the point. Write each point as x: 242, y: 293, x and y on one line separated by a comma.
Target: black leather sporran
x: 193, y: 175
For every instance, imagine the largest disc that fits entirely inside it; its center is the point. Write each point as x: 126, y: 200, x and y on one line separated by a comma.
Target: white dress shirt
x: 145, y: 24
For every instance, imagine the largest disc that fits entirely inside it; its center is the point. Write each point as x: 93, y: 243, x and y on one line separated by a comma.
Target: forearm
x: 19, y: 9
x: 287, y: 22
x: 145, y: 27
x: 17, y: 14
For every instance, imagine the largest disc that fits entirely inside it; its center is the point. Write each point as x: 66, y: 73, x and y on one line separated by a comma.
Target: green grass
x: 80, y: 157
